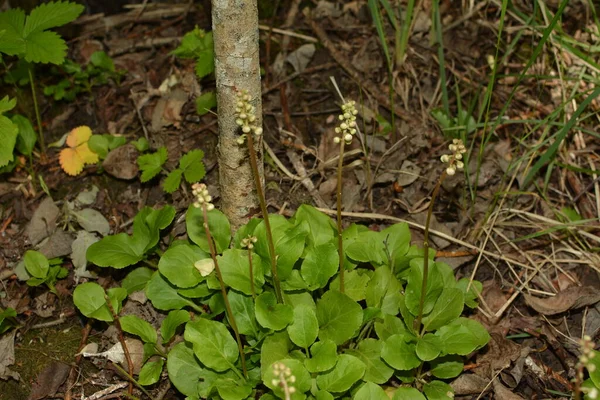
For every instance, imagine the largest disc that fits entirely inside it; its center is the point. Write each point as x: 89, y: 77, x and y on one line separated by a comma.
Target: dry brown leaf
x: 43, y: 222
x: 569, y: 299
x: 122, y: 162
x: 49, y: 380
x: 467, y: 384
x: 502, y: 393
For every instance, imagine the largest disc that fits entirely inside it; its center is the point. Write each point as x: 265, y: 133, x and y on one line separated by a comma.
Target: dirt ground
x: 532, y: 242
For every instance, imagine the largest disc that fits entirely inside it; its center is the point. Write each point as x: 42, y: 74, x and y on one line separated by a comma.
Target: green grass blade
x: 560, y: 136
x: 374, y: 8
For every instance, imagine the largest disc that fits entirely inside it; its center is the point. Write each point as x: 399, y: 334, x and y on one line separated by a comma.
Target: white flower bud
x: 210, y: 207
x: 336, y: 140
x: 246, y: 129
x: 450, y: 171
x: 258, y: 131
x: 445, y: 158
x: 348, y: 137
x: 460, y: 164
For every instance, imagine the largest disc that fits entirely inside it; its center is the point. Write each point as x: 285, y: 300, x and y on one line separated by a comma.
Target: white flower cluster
x: 245, y: 115
x: 454, y: 160
x: 285, y: 379
x: 347, y: 128
x: 248, y: 242
x: 200, y: 192
x: 587, y: 353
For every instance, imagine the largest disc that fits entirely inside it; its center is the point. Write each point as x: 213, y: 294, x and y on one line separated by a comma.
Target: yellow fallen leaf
x: 73, y: 158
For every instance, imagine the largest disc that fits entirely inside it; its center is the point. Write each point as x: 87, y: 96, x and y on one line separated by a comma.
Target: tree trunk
x: 235, y: 30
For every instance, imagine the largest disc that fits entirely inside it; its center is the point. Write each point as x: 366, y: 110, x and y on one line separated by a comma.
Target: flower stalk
x: 246, y: 119
x: 453, y: 162
x: 203, y: 200
x: 346, y: 131
x: 248, y: 243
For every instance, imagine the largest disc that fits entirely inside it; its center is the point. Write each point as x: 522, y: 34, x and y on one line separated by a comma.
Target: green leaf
x: 137, y: 279
x: 102, y: 60
x: 205, y: 63
x: 148, y: 223
x: 406, y: 393
x: 136, y: 326
x: 369, y: 352
x: 368, y: 248
x: 355, y: 284
x: 213, y: 344
x: 6, y: 104
x: 391, y: 325
x: 400, y: 354
x: 346, y: 373
x: 323, y: 356
x: 272, y: 315
x: 151, y: 164
x: 51, y: 15
x: 36, y: 264
x: 447, y: 308
x: 116, y: 297
x: 7, y: 319
x: 233, y: 388
x: 235, y: 269
x: 382, y: 288
x: 594, y: 371
x: 319, y: 265
x: 205, y: 102
x: 150, y: 372
x: 339, y: 317
x: 170, y: 324
x: 472, y: 294
x: 117, y: 251
x: 321, y: 228
x: 27, y: 137
x: 462, y: 336
x: 89, y: 299
x: 192, y: 166
x: 141, y: 144
x: 218, y: 224
x: 323, y: 395
x: 184, y: 370
x: 242, y: 308
x: 289, y: 247
x: 305, y: 326
x: 438, y: 390
x: 435, y: 285
x: 172, y: 181
x: 397, y: 238
x: 370, y: 391
x: 163, y: 295
x: 302, y: 383
x: 193, y: 43
x: 275, y: 347
x: 45, y: 47
x: 428, y: 347
x: 8, y: 138
x: 177, y: 265
x: 446, y: 367
x: 12, y: 23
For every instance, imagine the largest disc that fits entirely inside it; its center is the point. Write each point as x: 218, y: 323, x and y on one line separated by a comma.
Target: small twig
x: 289, y: 33
x: 107, y: 391
x: 122, y: 340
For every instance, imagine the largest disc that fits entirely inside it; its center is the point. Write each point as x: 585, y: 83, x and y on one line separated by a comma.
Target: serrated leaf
x: 192, y: 166
x: 77, y: 154
x: 51, y: 15
x: 213, y: 344
x: 205, y: 102
x: 136, y: 326
x: 151, y: 164
x: 8, y: 138
x: 172, y: 181
x: 45, y: 47
x: 12, y: 23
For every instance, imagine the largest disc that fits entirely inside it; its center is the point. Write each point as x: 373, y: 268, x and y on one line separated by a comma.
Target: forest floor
x: 523, y: 219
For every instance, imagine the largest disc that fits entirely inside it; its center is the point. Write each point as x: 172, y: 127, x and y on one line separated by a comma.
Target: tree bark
x: 235, y: 32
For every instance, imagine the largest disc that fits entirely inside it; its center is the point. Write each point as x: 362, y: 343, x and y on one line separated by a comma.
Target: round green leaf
x: 90, y: 300
x: 428, y: 347
x: 323, y: 356
x: 235, y: 269
x: 275, y: 347
x: 319, y: 265
x: 213, y: 344
x: 447, y: 308
x: 462, y: 336
x: 137, y: 279
x: 137, y: 326
x: 399, y: 354
x: 305, y: 326
x: 218, y: 224
x: 406, y: 393
x: 369, y: 352
x: 346, y: 373
x: 170, y: 324
x: 184, y: 370
x: 272, y: 315
x: 370, y: 391
x: 150, y: 372
x: 177, y: 265
x: 438, y: 390
x: 242, y: 307
x: 339, y: 317
x: 446, y: 367
x: 36, y: 264
x: 355, y: 284
x: 163, y: 295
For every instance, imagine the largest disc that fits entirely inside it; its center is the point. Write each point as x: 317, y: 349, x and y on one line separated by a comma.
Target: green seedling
x: 99, y: 71
x: 16, y: 133
x: 198, y: 45
x: 7, y: 319
x: 29, y: 38
x: 42, y: 270
x: 191, y: 167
